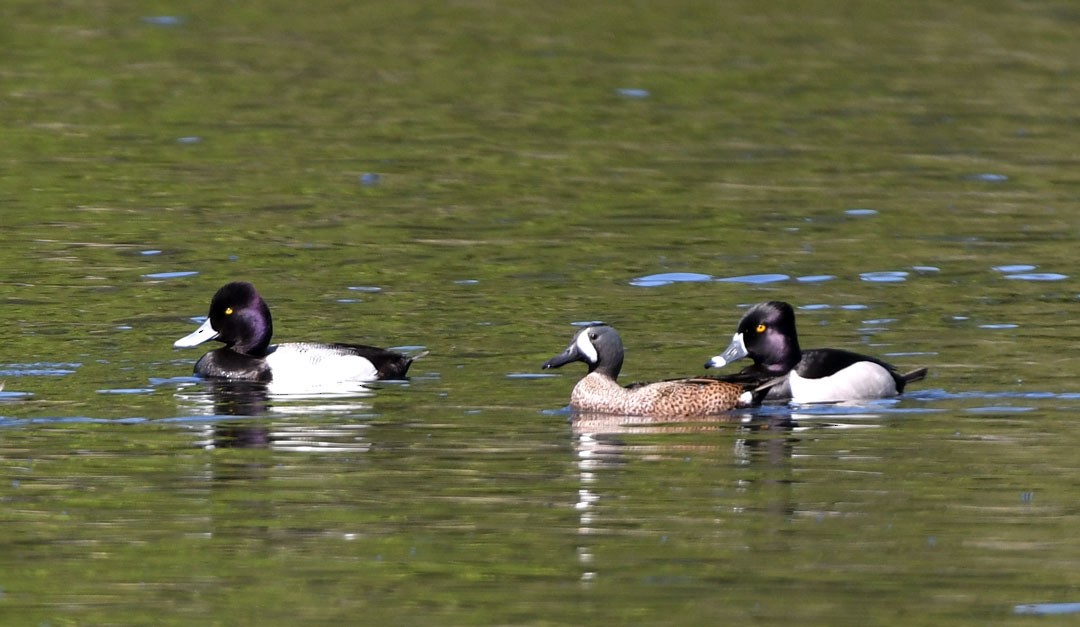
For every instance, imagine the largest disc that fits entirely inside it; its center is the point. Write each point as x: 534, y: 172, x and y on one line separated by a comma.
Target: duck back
x: 676, y: 398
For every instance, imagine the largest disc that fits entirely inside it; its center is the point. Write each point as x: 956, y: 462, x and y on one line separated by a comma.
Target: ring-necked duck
x: 601, y: 348
x: 240, y: 318
x: 826, y: 375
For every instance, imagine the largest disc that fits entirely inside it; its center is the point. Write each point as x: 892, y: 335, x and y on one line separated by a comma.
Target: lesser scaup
x: 826, y: 375
x: 601, y: 348
x: 240, y: 319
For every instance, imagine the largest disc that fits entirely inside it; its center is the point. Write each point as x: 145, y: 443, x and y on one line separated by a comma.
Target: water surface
x: 475, y: 179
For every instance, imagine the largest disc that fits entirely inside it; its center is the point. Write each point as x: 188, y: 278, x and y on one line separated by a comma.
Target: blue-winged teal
x: 601, y: 348
x: 826, y: 375
x: 240, y: 318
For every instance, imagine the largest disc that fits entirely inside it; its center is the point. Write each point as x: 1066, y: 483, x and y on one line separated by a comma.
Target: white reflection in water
x: 286, y: 437
x: 884, y: 277
x: 1046, y: 609
x: 39, y: 369
x: 600, y: 447
x: 667, y: 278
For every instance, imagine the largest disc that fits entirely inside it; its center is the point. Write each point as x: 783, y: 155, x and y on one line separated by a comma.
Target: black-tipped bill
x: 204, y: 333
x: 569, y: 355
x: 580, y: 349
x: 734, y: 352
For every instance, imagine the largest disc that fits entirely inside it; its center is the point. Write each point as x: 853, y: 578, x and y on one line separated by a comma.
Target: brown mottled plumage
x: 598, y: 391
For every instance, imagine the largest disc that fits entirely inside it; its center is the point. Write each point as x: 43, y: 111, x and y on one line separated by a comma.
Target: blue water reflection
x: 163, y: 20
x: 884, y: 277
x: 39, y: 369
x: 667, y: 278
x: 1023, y: 272
x: 13, y: 396
x: 170, y: 275
x: 1037, y: 276
x: 755, y: 279
x: 1047, y: 609
x: 989, y: 177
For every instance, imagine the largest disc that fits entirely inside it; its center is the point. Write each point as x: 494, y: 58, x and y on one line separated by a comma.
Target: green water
x: 525, y: 165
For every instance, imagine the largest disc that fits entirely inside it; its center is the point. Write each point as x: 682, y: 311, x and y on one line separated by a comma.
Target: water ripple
x: 13, y: 396
x: 170, y: 275
x: 942, y: 395
x: 884, y: 277
x: 190, y: 380
x: 163, y: 20
x: 989, y: 177
x: 667, y: 278
x: 999, y: 409
x: 1043, y: 609
x: 1037, y: 276
x: 755, y: 279
x: 39, y: 369
x: 1023, y: 272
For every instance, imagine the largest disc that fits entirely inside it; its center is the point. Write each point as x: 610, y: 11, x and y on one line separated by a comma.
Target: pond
x: 473, y: 179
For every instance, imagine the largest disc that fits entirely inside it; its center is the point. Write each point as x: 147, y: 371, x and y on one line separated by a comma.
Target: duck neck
x: 792, y: 356
x: 782, y: 358
x: 262, y: 329
x: 608, y: 367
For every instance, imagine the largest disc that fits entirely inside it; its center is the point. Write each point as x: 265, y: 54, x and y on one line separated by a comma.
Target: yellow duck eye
x: 761, y: 328
x: 228, y: 311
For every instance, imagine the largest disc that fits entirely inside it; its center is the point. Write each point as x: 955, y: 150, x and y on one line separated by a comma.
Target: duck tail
x: 398, y: 366
x: 410, y: 359
x: 917, y: 374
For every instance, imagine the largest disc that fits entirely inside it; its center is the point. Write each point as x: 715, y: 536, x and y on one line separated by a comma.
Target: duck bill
x: 569, y: 355
x: 204, y: 333
x: 734, y: 352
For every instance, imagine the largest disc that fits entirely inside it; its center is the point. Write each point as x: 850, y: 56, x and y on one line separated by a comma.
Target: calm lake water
x: 472, y: 179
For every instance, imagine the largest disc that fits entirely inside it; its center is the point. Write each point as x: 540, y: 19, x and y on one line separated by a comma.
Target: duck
x: 767, y: 335
x: 601, y: 348
x: 240, y: 319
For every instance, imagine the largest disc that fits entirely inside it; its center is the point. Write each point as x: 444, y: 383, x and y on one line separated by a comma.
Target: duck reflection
x: 221, y: 400
x: 237, y: 398
x: 750, y: 452
x: 740, y: 479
